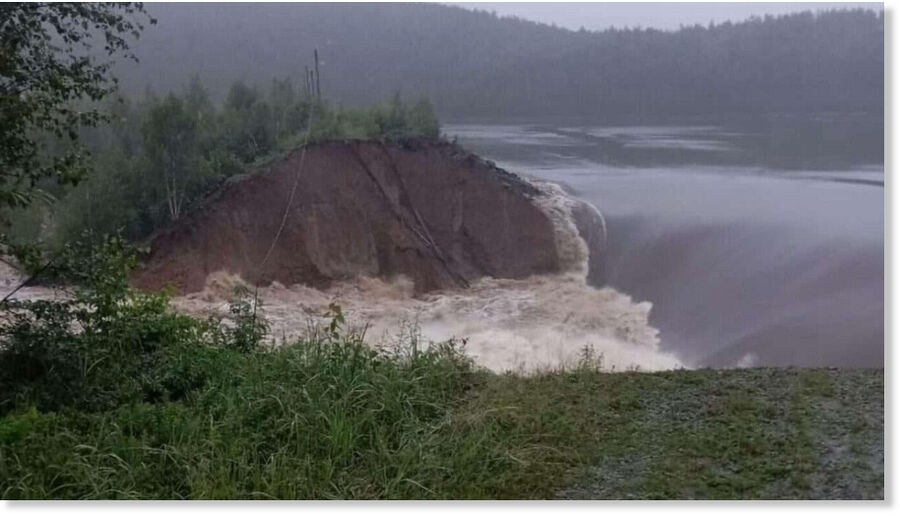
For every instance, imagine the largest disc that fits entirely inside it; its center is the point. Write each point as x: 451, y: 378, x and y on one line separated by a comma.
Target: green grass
x: 739, y: 434
x: 329, y: 418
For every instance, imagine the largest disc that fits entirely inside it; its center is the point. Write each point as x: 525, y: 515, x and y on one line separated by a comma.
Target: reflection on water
x: 775, y: 142
x: 759, y: 242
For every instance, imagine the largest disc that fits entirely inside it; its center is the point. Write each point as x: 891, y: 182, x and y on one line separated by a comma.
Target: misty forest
x: 423, y: 251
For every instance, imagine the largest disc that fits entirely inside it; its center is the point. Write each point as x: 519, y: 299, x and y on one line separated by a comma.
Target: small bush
x: 100, y: 344
x: 248, y: 328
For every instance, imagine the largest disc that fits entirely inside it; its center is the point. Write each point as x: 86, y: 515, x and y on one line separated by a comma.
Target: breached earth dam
x: 416, y: 239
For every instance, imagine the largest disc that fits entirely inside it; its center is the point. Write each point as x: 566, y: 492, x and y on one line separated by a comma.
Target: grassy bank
x: 338, y: 421
x: 756, y: 433
x: 107, y: 393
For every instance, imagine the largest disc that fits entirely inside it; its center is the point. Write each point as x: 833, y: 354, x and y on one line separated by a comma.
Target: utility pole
x: 306, y: 82
x: 318, y: 86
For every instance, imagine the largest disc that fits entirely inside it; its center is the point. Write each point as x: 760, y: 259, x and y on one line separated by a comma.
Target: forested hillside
x: 477, y: 64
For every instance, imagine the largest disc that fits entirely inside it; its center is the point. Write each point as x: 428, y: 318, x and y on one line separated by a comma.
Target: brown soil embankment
x: 424, y: 209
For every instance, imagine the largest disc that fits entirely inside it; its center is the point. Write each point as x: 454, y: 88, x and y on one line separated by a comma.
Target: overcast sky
x: 596, y: 16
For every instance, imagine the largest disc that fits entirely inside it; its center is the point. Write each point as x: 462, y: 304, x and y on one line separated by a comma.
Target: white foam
x: 572, y: 249
x: 520, y: 325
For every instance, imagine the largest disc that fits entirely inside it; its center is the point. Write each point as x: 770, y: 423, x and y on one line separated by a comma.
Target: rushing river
x: 757, y: 241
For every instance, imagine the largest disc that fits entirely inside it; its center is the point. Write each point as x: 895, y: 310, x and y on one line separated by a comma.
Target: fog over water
x: 755, y: 245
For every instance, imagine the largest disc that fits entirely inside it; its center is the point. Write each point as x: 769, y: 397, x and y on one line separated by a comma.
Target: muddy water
x: 756, y: 242
x: 509, y: 325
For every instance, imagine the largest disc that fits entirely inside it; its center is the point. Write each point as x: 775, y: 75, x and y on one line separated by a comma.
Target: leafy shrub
x: 100, y: 343
x: 15, y: 427
x: 248, y: 327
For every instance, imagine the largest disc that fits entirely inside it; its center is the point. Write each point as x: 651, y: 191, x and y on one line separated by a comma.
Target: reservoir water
x: 758, y: 241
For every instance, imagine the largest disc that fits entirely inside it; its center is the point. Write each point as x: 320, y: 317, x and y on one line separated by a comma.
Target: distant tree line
x: 476, y: 64
x: 161, y: 153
